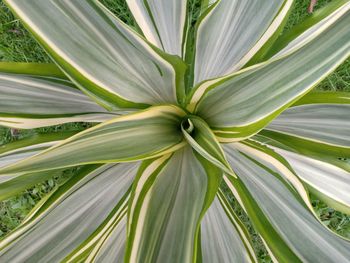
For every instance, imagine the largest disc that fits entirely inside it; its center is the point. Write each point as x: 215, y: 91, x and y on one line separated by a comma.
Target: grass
x: 18, y: 46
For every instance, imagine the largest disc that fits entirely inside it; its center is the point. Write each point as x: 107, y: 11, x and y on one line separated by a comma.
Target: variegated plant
x: 184, y: 112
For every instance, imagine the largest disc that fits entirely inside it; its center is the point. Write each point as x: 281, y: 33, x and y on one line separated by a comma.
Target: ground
x: 18, y: 46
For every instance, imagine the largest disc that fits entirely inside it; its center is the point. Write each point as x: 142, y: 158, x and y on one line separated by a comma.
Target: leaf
x: 223, y: 236
x: 169, y: 198
x: 281, y: 218
x: 328, y: 182
x: 106, y: 59
x: 239, y: 106
x: 70, y: 215
x: 330, y: 97
x: 232, y: 32
x: 142, y: 135
x: 113, y: 248
x: 162, y: 22
x: 19, y: 150
x: 198, y: 134
x: 107, y: 242
x: 318, y: 127
x: 326, y: 123
x: 42, y: 70
x: 32, y: 96
x: 310, y: 27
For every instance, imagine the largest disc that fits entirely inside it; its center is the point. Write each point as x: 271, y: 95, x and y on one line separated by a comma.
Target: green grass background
x: 18, y: 46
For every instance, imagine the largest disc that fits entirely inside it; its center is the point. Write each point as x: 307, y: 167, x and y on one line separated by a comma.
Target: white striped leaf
x: 317, y: 126
x: 107, y: 242
x: 162, y: 22
x: 239, y: 106
x: 32, y: 123
x: 19, y: 154
x: 69, y: 216
x: 105, y: 57
x: 299, y: 172
x: 137, y: 136
x: 232, y: 32
x: 261, y: 223
x: 198, y: 134
x: 326, y: 122
x: 34, y: 97
x: 169, y: 197
x: 271, y: 159
x: 224, y: 238
x: 278, y: 165
x: 335, y: 155
x: 294, y: 223
x: 329, y: 182
x: 278, y: 249
x: 113, y: 248
x: 16, y: 151
x: 308, y: 28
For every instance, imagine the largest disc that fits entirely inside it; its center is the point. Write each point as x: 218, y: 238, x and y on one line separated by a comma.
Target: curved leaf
x: 13, y: 152
x: 325, y: 123
x: 315, y: 126
x: 69, y: 216
x: 105, y: 58
x: 261, y: 189
x: 40, y: 99
x: 137, y: 136
x: 239, y: 106
x: 309, y: 28
x: 198, y: 134
x: 328, y: 182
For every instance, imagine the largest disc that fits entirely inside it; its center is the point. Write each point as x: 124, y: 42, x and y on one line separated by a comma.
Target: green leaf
x: 32, y: 96
x: 198, y: 134
x: 169, y: 198
x: 288, y: 226
x: 70, y: 215
x: 232, y: 32
x: 223, y: 236
x: 324, y: 97
x: 206, y: 3
x: 162, y: 22
x: 19, y: 150
x: 142, y: 135
x: 33, y: 69
x: 239, y: 106
x: 105, y: 58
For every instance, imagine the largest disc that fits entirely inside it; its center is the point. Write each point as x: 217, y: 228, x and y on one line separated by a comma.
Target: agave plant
x: 184, y: 113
